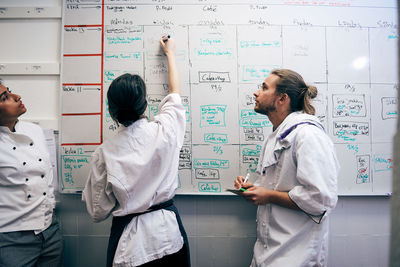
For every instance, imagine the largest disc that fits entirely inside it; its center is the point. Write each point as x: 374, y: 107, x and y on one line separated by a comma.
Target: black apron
x: 119, y: 223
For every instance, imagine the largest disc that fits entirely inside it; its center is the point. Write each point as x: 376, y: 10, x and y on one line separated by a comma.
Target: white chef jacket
x: 26, y: 191
x: 134, y: 170
x: 304, y: 164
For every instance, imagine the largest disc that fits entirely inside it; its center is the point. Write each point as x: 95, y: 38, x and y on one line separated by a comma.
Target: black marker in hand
x: 165, y: 38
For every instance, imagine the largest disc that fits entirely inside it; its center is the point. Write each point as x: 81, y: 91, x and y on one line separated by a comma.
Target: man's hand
x: 257, y: 195
x: 239, y: 183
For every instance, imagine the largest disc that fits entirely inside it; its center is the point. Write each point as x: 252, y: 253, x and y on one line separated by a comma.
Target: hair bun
x: 312, y: 91
x: 127, y: 98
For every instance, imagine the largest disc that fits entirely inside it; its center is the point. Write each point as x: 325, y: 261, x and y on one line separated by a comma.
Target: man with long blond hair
x: 297, y: 173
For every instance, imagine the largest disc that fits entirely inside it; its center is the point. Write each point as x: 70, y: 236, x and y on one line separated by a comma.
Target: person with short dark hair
x: 134, y: 175
x: 29, y: 231
x: 296, y: 186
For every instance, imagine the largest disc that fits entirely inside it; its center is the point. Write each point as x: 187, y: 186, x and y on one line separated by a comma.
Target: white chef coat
x: 304, y: 164
x: 134, y: 170
x: 26, y: 191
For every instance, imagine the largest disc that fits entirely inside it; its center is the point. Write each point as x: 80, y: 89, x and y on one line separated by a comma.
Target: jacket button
x: 26, y: 179
x: 42, y: 175
x: 24, y: 163
x: 31, y: 144
x: 29, y: 196
x: 14, y: 148
x: 44, y: 193
x: 40, y: 159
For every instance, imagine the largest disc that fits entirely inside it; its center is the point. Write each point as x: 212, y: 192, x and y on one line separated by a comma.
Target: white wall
x: 221, y: 229
x: 27, y: 42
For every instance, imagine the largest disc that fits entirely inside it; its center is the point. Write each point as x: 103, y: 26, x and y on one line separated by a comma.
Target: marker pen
x: 245, y: 181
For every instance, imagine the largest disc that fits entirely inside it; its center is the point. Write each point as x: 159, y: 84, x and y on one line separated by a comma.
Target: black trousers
x: 180, y: 258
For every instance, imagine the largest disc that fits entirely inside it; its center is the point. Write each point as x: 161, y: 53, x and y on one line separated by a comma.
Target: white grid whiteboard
x: 225, y: 49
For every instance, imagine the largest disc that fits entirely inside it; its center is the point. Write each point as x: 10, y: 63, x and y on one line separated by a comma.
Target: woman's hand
x: 168, y: 45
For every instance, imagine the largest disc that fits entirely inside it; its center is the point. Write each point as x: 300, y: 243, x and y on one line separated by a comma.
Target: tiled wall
x: 222, y: 231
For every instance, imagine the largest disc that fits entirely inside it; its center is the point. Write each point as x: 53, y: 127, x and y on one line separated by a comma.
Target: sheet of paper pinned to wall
x: 225, y: 49
x: 52, y: 148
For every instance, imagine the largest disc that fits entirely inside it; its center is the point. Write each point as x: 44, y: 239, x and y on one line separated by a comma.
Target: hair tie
x: 304, y: 90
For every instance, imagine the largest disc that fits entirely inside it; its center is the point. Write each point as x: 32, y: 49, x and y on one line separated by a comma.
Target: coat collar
x: 282, y: 138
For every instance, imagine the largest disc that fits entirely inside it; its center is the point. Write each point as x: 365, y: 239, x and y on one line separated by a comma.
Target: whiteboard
x: 225, y: 49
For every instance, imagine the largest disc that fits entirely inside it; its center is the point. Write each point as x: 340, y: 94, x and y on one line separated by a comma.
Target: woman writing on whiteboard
x: 134, y: 174
x: 29, y: 231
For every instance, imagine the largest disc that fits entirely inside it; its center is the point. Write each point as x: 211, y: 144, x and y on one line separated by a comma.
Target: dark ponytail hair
x: 127, y: 99
x: 300, y: 93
